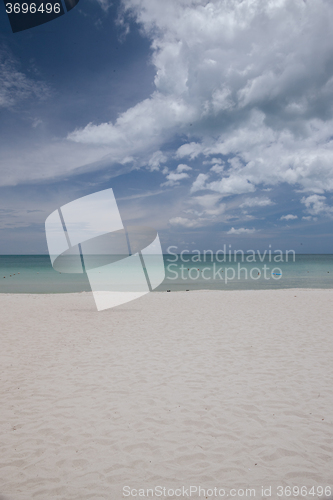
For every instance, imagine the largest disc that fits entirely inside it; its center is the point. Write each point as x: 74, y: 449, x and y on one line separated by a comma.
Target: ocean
x: 35, y: 274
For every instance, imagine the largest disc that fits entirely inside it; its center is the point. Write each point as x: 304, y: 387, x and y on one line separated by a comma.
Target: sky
x: 211, y: 121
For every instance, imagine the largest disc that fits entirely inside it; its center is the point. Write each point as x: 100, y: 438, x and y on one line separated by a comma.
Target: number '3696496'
x: 32, y: 8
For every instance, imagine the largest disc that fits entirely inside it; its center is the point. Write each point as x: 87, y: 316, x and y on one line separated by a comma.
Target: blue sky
x: 211, y: 121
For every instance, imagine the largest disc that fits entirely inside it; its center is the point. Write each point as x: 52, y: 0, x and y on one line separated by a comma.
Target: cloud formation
x: 241, y: 230
x: 174, y: 177
x: 15, y: 86
x: 289, y: 217
x: 185, y: 222
x: 256, y: 202
x: 243, y: 94
x: 218, y: 70
x: 250, y: 81
x: 316, y: 205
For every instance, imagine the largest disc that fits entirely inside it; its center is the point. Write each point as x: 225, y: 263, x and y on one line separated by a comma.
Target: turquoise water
x: 34, y: 274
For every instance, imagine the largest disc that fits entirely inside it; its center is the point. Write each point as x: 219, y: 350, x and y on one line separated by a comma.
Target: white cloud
x: 212, y: 161
x: 210, y: 203
x: 199, y: 183
x: 241, y: 230
x: 192, y: 150
x: 15, y: 86
x: 36, y: 122
x: 270, y: 157
x: 182, y: 221
x: 104, y: 4
x: 309, y: 217
x: 139, y: 130
x: 257, y: 202
x: 219, y: 59
x: 316, y: 204
x: 251, y: 80
x: 182, y: 167
x: 156, y: 159
x: 39, y: 162
x: 218, y: 169
x: 234, y: 184
x: 206, y: 210
x: 173, y: 176
x: 207, y: 200
x: 221, y: 100
x: 177, y: 175
x: 288, y: 217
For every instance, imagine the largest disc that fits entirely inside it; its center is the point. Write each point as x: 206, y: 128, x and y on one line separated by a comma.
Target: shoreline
x: 257, y: 290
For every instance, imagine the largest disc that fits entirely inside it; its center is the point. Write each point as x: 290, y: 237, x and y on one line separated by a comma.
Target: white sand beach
x: 202, y: 388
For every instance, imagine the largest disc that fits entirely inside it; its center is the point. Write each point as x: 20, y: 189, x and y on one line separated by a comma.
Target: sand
x: 201, y: 388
